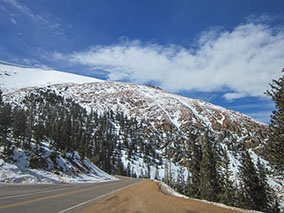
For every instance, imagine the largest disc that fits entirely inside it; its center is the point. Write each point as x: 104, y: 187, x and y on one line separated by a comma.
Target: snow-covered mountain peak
x: 13, y: 77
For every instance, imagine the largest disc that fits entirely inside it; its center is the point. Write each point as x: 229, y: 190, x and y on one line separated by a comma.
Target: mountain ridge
x: 161, y: 109
x: 7, y: 69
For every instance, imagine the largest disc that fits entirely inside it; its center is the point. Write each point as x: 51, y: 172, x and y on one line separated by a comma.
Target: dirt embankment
x: 146, y: 197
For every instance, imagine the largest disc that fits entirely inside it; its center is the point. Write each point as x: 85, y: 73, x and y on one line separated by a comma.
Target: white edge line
x: 97, y: 198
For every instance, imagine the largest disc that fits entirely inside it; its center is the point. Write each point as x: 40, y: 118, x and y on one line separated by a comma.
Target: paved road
x: 56, y: 197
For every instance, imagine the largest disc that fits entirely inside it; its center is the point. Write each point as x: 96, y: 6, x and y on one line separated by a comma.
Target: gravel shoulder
x: 147, y: 197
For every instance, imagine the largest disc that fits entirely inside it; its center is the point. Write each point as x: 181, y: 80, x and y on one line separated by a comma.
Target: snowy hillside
x: 46, y: 166
x: 154, y: 104
x: 142, y: 102
x: 13, y: 78
x: 160, y: 110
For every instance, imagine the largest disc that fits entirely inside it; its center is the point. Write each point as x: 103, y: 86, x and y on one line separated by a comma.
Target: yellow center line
x: 51, y: 196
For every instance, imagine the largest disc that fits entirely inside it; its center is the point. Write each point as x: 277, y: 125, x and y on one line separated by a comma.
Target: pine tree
x: 148, y: 170
x: 209, y: 188
x: 66, y: 135
x: 227, y: 195
x: 180, y: 180
x: 256, y: 193
x: 275, y: 144
x: 195, y: 157
x: 266, y: 193
x: 120, y: 167
x: 19, y: 125
x: 38, y: 133
x: 30, y: 102
x: 1, y: 97
x: 128, y: 171
x: 157, y: 173
x: 5, y: 124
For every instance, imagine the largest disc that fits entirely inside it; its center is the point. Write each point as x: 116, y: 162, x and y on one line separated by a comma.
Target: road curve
x: 57, y: 198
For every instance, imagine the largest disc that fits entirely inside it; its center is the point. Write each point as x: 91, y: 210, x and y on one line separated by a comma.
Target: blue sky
x: 223, y: 51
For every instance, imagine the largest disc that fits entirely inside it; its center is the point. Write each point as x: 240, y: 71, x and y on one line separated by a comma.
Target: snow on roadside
x: 68, y: 169
x: 13, y: 174
x: 168, y: 190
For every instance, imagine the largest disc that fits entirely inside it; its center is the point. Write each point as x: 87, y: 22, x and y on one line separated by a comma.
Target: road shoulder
x: 146, y: 196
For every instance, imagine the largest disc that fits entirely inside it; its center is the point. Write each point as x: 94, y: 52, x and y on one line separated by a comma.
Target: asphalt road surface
x: 57, y: 198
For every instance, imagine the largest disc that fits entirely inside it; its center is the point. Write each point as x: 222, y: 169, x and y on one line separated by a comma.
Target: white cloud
x: 242, y: 61
x: 13, y: 21
x: 43, y: 19
x: 20, y: 7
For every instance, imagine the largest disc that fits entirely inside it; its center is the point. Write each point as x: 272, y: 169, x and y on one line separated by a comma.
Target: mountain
x: 159, y: 108
x: 143, y: 131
